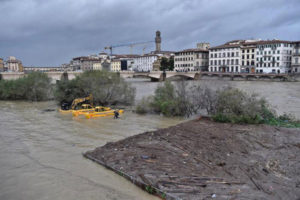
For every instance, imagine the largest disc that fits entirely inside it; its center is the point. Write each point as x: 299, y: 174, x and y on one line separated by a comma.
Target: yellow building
x: 115, y: 65
x: 1, y: 65
x: 97, y: 66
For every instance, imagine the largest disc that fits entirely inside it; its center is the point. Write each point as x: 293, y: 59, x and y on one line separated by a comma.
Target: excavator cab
x: 65, y: 106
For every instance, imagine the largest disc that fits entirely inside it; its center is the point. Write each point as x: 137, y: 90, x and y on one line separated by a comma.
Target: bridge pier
x: 197, y: 76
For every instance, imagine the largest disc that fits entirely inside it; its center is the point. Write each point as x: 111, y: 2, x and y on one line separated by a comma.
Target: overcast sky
x: 51, y: 32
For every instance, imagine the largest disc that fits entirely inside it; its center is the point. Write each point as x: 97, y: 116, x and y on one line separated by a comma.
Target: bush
x: 236, y: 106
x: 223, y: 105
x: 168, y: 100
x: 35, y: 86
x: 144, y: 105
x: 107, y: 88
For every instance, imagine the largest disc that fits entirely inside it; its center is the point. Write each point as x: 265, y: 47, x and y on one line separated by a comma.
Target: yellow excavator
x: 84, y: 107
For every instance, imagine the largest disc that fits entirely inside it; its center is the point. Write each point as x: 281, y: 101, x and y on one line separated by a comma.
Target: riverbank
x: 202, y: 159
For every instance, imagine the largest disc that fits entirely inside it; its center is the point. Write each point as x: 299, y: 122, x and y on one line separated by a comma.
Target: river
x: 40, y: 152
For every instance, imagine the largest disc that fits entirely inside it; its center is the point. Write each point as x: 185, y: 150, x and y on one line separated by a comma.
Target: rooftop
x: 193, y: 50
x: 242, y: 43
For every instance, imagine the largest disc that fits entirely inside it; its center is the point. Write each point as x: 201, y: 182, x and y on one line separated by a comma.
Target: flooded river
x: 40, y: 152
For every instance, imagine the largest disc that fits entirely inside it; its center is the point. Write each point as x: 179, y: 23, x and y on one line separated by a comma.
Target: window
x: 236, y: 61
x: 278, y: 51
x: 278, y: 58
x: 296, y: 60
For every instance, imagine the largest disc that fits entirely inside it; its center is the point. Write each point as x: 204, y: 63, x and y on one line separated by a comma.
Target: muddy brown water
x: 40, y: 152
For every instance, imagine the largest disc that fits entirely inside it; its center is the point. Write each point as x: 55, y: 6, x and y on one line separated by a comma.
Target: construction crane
x: 131, y: 45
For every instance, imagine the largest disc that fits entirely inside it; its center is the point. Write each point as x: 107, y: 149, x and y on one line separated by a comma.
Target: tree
x: 107, y: 88
x: 167, y: 64
x: 164, y: 64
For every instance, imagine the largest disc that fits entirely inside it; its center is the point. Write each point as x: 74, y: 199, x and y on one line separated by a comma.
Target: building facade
x: 273, y: 56
x: 13, y: 65
x: 296, y: 57
x: 226, y: 57
x: 248, y: 53
x: 144, y: 63
x: 1, y: 65
x: 192, y: 59
x: 252, y: 56
x: 85, y: 63
x: 115, y: 65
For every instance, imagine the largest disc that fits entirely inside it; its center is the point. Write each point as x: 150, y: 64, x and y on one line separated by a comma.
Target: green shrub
x: 236, y: 106
x: 35, y: 86
x: 144, y: 105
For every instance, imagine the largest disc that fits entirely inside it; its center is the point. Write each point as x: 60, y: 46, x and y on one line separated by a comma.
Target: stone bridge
x: 160, y: 76
x: 55, y: 76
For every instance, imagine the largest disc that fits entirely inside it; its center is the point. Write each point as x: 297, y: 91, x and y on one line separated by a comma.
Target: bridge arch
x: 265, y: 77
x: 181, y: 76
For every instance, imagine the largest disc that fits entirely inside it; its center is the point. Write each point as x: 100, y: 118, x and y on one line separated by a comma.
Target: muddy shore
x: 202, y: 159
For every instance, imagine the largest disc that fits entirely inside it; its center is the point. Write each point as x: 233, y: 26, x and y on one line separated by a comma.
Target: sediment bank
x: 202, y: 159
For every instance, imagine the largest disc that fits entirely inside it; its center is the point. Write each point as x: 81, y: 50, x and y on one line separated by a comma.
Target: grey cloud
x: 52, y: 32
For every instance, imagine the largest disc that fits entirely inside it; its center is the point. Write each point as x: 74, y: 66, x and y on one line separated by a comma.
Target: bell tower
x: 158, y: 41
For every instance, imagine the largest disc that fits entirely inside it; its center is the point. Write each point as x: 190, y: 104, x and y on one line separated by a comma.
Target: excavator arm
x: 80, y: 100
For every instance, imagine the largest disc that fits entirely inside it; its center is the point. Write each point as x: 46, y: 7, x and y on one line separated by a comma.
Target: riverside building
x: 192, y: 59
x: 13, y: 65
x: 85, y: 63
x: 1, y: 65
x: 273, y: 56
x: 226, y: 57
x: 296, y: 57
x: 144, y: 63
x: 252, y: 56
x: 115, y: 65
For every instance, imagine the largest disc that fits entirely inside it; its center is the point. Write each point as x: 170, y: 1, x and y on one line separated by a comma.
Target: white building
x: 296, y: 57
x: 226, y: 57
x: 144, y: 63
x: 273, y: 56
x: 250, y: 56
x: 191, y: 60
